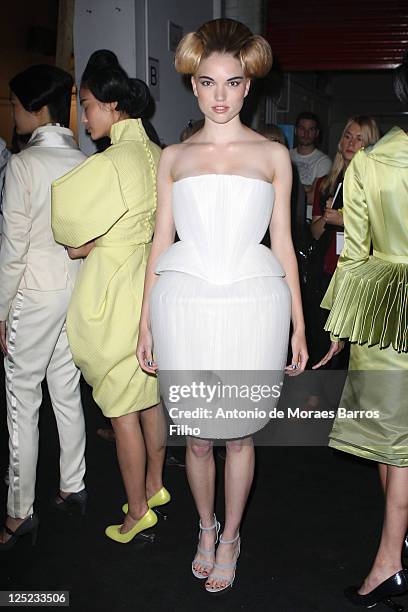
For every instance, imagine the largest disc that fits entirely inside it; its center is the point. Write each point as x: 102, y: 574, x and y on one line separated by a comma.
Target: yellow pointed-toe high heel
x: 148, y: 520
x: 160, y: 498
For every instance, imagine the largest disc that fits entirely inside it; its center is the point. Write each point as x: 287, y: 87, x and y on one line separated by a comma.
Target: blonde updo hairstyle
x: 224, y: 36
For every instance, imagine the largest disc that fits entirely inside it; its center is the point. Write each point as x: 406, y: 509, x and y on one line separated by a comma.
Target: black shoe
x: 73, y: 499
x: 405, y: 547
x: 29, y: 525
x: 395, y: 585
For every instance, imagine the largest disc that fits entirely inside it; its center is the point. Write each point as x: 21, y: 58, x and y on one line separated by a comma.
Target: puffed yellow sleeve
x: 86, y: 202
x: 357, y: 236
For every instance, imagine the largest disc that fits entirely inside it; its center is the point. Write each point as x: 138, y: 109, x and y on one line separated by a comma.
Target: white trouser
x: 38, y: 348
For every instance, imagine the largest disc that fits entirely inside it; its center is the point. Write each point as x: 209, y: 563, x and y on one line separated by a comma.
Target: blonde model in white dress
x: 218, y: 303
x: 220, y: 311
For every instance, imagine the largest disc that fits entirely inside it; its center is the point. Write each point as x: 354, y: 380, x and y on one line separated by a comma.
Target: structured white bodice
x: 220, y: 220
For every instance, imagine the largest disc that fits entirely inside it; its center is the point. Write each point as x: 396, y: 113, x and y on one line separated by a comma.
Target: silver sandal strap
x: 229, y: 541
x: 214, y: 526
x: 205, y: 551
x: 225, y: 565
x: 227, y: 579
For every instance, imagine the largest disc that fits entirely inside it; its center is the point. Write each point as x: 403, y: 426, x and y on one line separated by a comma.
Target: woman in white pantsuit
x: 36, y: 280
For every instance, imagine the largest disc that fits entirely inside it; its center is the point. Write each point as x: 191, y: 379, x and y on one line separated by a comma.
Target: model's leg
x: 388, y: 559
x: 239, y: 473
x: 200, y: 467
x: 154, y: 433
x: 130, y: 448
x: 63, y: 386
x: 382, y: 472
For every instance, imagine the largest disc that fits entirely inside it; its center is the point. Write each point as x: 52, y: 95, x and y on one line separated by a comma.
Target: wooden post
x: 65, y: 40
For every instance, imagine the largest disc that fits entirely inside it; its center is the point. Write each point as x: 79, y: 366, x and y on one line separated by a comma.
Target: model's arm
x: 15, y: 238
x: 164, y: 234
x: 16, y: 232
x: 282, y: 246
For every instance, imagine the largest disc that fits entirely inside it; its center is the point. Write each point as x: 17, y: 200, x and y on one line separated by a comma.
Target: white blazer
x: 29, y: 256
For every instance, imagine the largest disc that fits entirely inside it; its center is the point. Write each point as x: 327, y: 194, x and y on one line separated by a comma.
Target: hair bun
x: 141, y: 96
x: 102, y: 58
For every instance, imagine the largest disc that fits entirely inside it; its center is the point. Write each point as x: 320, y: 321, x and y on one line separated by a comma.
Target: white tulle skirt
x: 232, y: 334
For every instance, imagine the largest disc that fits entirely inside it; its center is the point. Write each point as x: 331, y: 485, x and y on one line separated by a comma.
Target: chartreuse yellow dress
x: 111, y: 197
x: 368, y: 302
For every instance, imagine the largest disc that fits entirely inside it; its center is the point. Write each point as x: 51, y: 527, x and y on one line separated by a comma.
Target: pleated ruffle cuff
x: 371, y: 305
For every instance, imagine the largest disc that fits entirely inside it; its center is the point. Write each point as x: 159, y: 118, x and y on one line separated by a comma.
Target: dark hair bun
x: 103, y: 58
x: 140, y: 94
x: 109, y: 82
x: 44, y: 85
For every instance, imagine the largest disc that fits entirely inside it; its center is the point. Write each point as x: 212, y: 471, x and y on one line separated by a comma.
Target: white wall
x: 103, y: 24
x: 177, y: 104
x: 136, y: 30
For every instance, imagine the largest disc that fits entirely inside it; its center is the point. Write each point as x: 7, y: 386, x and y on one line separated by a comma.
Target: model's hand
x: 333, y: 217
x: 299, y: 354
x: 144, y: 351
x: 335, y: 349
x: 3, y: 343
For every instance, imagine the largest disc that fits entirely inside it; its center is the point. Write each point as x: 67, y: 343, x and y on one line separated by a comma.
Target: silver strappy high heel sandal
x: 205, y: 551
x: 229, y: 579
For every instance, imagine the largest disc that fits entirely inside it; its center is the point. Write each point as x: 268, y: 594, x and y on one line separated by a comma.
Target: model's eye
x: 206, y: 83
x: 234, y: 83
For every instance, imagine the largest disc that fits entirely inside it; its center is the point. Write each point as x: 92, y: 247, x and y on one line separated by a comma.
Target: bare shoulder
x: 268, y: 147
x: 169, y: 157
x: 171, y: 152
x: 275, y: 149
x: 277, y: 156
x: 272, y: 157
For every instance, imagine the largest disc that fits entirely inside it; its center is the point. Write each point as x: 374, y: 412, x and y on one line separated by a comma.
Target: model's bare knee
x: 201, y: 449
x: 239, y: 446
x: 125, y: 423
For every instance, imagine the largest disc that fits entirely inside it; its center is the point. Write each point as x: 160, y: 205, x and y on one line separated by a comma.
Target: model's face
x: 351, y: 142
x: 220, y: 86
x: 24, y: 121
x: 98, y: 117
x: 307, y: 132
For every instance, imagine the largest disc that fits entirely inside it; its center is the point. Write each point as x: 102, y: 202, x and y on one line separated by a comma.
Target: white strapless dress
x: 220, y: 311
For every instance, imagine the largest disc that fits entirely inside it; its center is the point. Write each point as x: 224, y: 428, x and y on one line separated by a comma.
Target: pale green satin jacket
x: 368, y: 294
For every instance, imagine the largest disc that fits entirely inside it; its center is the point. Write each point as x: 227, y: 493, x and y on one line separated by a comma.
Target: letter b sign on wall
x: 154, y: 78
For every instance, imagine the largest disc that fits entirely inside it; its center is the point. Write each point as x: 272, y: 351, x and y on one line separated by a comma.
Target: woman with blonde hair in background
x: 327, y: 229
